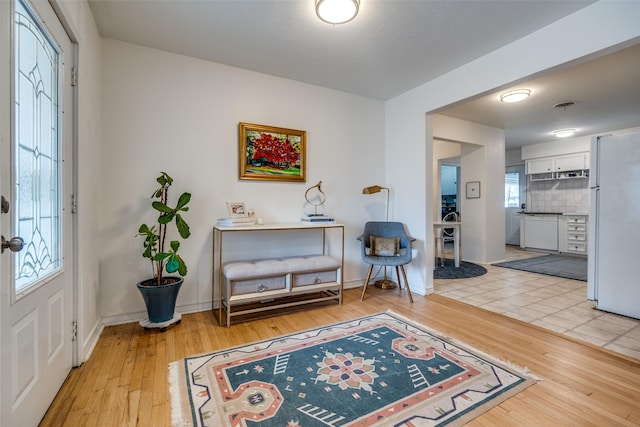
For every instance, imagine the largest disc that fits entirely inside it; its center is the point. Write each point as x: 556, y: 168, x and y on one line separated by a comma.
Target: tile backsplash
x: 566, y: 196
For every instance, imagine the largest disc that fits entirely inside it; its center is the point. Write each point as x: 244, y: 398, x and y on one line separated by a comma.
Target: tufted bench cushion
x: 242, y: 270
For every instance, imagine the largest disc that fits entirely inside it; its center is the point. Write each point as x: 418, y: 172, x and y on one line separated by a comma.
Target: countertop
x: 552, y: 213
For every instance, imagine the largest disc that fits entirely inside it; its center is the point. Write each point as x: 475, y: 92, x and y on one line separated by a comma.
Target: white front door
x: 514, y: 196
x: 36, y: 298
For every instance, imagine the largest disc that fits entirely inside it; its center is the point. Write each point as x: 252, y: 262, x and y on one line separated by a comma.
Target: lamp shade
x: 372, y: 190
x: 337, y: 11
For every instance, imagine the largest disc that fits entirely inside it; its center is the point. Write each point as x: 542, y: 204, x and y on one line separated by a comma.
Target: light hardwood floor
x: 124, y: 383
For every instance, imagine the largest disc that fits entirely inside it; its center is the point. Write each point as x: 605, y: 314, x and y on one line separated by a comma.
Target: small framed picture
x: 473, y: 190
x: 237, y: 210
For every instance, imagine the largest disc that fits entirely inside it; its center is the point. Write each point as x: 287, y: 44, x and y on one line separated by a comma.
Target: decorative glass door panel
x: 37, y: 152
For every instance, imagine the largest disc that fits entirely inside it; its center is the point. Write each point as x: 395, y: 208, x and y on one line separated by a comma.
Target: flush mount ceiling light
x: 515, y: 95
x: 564, y: 133
x: 337, y: 11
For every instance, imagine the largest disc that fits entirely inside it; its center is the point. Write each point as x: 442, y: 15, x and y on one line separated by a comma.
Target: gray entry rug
x: 569, y: 267
x: 450, y: 271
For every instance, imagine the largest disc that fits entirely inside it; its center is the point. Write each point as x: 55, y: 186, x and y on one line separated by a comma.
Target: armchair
x: 386, y: 244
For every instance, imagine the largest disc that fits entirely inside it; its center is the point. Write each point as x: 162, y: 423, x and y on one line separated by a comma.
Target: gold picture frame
x: 269, y: 153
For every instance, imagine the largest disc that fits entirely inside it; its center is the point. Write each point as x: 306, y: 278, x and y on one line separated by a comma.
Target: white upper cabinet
x: 543, y: 165
x: 572, y: 162
x: 564, y: 163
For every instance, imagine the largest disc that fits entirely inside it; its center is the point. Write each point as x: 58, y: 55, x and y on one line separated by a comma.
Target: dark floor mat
x: 569, y: 267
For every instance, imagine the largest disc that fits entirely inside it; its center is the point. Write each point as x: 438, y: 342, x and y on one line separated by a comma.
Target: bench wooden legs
x: 404, y: 276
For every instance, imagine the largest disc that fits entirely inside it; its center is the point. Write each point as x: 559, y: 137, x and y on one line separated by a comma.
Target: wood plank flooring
x: 124, y: 383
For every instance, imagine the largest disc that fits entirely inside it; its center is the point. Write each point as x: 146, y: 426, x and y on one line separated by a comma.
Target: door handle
x: 14, y: 245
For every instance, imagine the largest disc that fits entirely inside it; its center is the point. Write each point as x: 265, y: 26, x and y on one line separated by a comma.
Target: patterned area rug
x: 450, y: 271
x: 569, y: 267
x: 380, y: 370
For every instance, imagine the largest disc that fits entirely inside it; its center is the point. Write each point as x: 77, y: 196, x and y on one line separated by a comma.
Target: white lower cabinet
x: 572, y: 234
x: 541, y: 231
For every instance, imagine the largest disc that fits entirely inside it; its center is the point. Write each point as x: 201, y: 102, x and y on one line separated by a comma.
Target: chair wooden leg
x: 366, y: 282
x: 398, y: 276
x: 404, y: 274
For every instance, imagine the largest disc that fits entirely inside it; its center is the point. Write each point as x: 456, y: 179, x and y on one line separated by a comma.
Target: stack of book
x: 317, y: 219
x: 236, y: 222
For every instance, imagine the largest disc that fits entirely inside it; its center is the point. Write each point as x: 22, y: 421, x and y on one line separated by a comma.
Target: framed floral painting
x: 271, y: 153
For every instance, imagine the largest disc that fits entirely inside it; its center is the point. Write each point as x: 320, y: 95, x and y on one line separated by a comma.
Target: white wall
x: 78, y: 20
x: 481, y: 159
x: 513, y: 157
x: 166, y: 112
x: 597, y: 27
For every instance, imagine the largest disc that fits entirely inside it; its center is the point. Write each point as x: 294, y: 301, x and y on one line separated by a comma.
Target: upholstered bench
x: 263, y: 280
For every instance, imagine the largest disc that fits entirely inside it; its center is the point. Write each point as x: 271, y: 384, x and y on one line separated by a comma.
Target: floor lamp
x: 385, y: 283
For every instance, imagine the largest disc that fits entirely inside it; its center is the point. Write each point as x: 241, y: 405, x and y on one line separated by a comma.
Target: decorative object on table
x: 379, y: 370
x: 239, y: 216
x: 315, y: 197
x: 473, y: 190
x: 569, y: 267
x: 466, y: 270
x: 386, y: 244
x: 237, y: 210
x: 236, y: 222
x: 161, y: 292
x: 271, y: 153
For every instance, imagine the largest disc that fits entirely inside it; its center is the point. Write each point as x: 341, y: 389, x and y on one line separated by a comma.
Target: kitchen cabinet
x: 541, y: 231
x: 550, y: 167
x: 571, y: 162
x: 572, y: 234
x: 543, y: 165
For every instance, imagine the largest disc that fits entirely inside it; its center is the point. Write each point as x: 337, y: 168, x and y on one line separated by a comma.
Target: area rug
x: 569, y: 267
x: 450, y: 271
x: 379, y: 370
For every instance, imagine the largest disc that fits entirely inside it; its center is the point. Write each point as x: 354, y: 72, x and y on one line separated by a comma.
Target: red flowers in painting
x: 274, y: 150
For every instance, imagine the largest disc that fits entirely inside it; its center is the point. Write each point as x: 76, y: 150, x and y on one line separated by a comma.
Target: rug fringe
x: 176, y: 399
x: 523, y: 370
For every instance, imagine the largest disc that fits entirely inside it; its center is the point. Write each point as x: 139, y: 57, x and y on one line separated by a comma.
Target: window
x: 37, y: 172
x: 512, y: 190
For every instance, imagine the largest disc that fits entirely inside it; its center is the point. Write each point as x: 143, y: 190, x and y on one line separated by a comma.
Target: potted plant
x: 160, y: 292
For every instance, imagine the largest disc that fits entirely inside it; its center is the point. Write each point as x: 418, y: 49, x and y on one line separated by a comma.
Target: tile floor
x: 550, y: 302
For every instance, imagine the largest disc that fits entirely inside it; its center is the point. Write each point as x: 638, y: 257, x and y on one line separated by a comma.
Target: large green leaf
x: 183, y: 200
x: 172, y: 265
x: 159, y: 206
x: 166, y: 218
x: 161, y: 255
x: 183, y: 227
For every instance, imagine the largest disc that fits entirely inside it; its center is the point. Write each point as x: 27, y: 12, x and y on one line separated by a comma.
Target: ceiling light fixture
x: 337, y: 11
x: 564, y: 133
x: 515, y: 95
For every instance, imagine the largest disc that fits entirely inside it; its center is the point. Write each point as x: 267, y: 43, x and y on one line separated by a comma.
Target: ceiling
x: 606, y: 93
x: 392, y: 46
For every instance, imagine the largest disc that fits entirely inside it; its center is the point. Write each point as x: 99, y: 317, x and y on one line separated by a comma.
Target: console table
x: 248, y: 278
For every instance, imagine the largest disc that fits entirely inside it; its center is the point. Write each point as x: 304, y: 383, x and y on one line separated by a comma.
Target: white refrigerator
x: 614, y: 224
